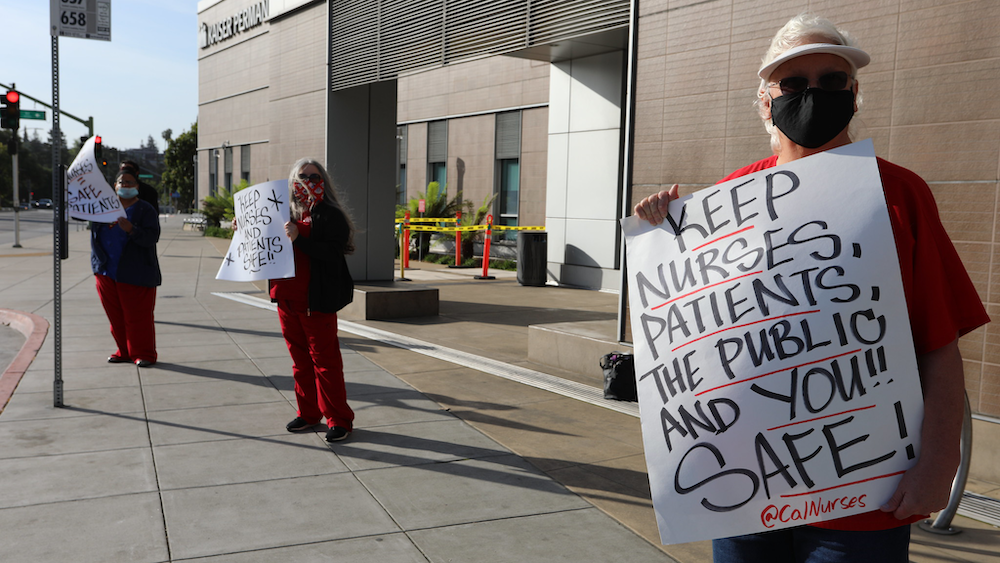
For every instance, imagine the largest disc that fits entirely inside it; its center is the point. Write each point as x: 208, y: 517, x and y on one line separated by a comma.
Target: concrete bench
x: 391, y: 300
x: 575, y: 346
x: 194, y: 224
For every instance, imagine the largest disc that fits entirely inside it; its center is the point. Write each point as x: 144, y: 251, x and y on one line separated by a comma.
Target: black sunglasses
x: 312, y: 177
x: 832, y: 82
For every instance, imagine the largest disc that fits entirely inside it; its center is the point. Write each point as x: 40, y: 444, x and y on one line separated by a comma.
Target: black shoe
x: 118, y: 360
x: 337, y: 433
x: 298, y: 424
x: 143, y: 363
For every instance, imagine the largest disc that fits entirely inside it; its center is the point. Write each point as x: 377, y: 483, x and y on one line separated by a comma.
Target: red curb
x: 34, y: 328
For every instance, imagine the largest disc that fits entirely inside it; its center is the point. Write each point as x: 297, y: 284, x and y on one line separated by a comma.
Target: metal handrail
x: 942, y: 524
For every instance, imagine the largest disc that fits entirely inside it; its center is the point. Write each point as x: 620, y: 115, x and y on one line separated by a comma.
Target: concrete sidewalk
x: 189, y: 459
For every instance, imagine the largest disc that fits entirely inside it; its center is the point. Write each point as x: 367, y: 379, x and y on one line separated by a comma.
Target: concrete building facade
x: 658, y: 92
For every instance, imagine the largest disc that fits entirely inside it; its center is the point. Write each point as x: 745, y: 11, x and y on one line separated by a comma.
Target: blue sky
x: 143, y: 81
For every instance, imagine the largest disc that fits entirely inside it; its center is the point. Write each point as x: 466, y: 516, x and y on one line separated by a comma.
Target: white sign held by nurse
x: 88, y: 195
x: 261, y: 249
x: 776, y: 372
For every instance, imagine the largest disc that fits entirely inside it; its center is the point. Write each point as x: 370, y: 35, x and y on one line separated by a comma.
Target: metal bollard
x: 942, y: 524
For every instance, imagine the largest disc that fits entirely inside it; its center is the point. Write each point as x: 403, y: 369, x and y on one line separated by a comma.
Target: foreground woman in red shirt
x: 807, y: 97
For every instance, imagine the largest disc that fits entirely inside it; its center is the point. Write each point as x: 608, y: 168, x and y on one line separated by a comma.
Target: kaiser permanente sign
x: 243, y: 20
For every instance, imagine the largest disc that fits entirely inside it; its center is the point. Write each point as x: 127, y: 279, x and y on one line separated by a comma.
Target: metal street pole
x: 57, y: 215
x: 17, y: 200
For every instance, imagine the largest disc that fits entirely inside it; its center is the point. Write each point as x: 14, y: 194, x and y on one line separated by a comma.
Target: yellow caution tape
x: 428, y: 229
x: 429, y: 220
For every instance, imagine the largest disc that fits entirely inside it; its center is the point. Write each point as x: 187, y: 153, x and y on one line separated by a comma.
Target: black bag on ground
x: 619, y: 377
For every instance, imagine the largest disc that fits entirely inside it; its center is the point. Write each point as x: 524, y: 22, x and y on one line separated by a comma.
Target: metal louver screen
x: 373, y: 40
x: 509, y: 135
x: 437, y: 141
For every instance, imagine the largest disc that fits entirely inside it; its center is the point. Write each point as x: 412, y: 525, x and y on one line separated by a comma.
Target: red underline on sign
x: 779, y: 370
x: 722, y: 237
x: 820, y: 418
x: 704, y: 288
x: 742, y: 326
x: 844, y: 485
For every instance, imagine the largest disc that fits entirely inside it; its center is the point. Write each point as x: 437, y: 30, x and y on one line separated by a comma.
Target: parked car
x: 44, y: 203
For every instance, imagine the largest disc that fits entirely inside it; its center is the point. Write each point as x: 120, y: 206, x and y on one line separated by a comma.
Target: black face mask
x: 813, y: 117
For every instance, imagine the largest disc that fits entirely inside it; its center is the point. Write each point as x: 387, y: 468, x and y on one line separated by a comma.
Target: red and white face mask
x: 307, y: 190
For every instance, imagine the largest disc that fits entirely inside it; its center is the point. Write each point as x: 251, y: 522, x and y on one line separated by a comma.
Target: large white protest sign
x: 260, y: 249
x: 88, y: 195
x: 777, y: 379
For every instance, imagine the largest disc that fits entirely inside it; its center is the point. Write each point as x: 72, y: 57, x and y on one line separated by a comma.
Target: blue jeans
x: 806, y: 544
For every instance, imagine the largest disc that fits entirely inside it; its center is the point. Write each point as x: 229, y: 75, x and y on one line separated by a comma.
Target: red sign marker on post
x: 486, y: 250
x: 422, y: 205
x: 405, y: 256
x: 458, y: 239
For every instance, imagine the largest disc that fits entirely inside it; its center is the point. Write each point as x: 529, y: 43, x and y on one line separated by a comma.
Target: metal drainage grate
x: 537, y: 379
x: 979, y: 507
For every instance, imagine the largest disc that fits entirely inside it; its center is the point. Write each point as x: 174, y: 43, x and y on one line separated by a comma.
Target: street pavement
x: 189, y: 459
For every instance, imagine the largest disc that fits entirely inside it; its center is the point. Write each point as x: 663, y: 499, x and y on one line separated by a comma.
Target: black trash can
x: 532, y: 256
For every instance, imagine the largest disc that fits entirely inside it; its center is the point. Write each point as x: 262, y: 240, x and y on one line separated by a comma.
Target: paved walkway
x: 189, y: 460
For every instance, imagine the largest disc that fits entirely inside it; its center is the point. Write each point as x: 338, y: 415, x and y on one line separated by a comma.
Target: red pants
x: 317, y: 366
x: 130, y: 310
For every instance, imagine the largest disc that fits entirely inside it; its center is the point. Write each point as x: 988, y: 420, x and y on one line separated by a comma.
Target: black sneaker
x: 299, y: 424
x: 337, y: 433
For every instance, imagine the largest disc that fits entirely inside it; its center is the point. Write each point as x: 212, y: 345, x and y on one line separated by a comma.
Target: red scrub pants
x: 130, y: 310
x: 317, y: 366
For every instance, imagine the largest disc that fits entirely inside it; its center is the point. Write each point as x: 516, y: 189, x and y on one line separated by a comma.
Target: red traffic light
x: 13, y: 96
x: 97, y: 139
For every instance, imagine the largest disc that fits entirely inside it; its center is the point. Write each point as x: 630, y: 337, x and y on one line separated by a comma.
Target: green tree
x: 221, y: 207
x: 178, y: 172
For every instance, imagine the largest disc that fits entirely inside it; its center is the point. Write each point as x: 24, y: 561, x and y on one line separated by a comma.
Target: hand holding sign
x: 89, y: 197
x: 261, y: 249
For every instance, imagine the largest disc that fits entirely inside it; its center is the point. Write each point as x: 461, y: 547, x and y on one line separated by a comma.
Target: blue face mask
x: 128, y: 193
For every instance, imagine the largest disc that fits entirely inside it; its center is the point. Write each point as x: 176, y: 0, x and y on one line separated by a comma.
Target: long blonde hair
x: 330, y: 197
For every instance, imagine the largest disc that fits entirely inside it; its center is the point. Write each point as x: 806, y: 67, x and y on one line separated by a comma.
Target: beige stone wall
x: 416, y: 159
x: 534, y: 166
x: 297, y: 93
x: 487, y: 84
x: 471, y: 157
x: 268, y: 84
x: 233, y: 98
x: 929, y: 105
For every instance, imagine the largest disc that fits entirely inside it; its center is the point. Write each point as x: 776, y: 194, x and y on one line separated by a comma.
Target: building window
x: 508, y: 171
x: 228, y: 158
x: 245, y: 163
x: 213, y: 171
x: 437, y: 153
x: 401, y: 168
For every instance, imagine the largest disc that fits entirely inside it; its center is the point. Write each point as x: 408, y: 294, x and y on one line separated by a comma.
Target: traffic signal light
x: 10, y: 118
x: 97, y: 152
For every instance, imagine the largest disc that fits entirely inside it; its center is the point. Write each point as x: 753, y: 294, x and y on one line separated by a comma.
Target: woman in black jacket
x: 123, y: 259
x: 322, y: 233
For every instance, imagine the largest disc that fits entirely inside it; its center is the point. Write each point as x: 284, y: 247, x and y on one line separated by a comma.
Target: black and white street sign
x: 86, y: 19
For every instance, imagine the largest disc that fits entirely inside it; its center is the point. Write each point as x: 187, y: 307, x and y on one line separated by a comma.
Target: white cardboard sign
x: 777, y: 378
x: 260, y: 249
x: 88, y: 195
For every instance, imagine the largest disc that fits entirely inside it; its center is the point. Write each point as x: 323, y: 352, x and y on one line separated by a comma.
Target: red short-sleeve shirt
x: 296, y: 289
x: 940, y: 297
